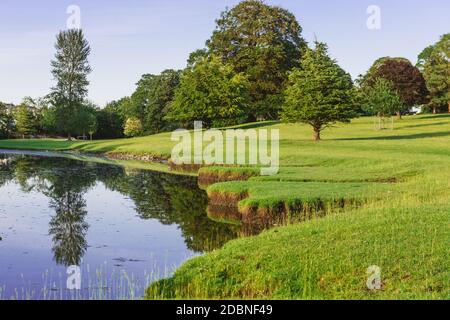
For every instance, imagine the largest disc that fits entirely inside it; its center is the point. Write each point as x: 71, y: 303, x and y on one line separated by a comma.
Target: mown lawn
x: 158, y: 145
x: 401, y: 225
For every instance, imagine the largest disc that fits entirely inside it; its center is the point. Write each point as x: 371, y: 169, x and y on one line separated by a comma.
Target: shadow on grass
x: 402, y: 137
x: 255, y: 125
x: 424, y: 125
x: 438, y: 116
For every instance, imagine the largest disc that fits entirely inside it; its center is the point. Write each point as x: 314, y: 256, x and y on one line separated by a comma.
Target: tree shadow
x: 438, y: 116
x: 256, y: 125
x: 425, y: 125
x: 402, y: 137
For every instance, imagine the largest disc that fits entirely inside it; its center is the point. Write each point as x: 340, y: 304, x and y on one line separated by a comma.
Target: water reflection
x: 68, y: 228
x: 170, y: 199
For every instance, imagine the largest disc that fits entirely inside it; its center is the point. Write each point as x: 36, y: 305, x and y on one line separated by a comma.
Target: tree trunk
x: 316, y: 134
x: 399, y: 115
x: 449, y: 107
x: 434, y: 110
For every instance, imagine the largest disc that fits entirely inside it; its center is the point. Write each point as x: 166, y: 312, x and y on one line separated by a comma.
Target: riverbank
x: 397, y: 179
x: 400, y: 179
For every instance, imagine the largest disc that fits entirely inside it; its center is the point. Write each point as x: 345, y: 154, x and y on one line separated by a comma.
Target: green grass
x: 401, y: 224
x: 158, y: 145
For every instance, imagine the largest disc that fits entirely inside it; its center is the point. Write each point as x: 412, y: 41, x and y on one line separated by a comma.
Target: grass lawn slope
x: 397, y: 185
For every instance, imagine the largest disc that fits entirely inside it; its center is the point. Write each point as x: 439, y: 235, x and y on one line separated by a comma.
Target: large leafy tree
x: 151, y: 100
x: 25, y: 120
x: 212, y: 92
x: 320, y: 93
x: 264, y: 42
x: 133, y: 127
x: 406, y: 79
x: 381, y: 100
x: 6, y: 121
x: 48, y: 120
x: 85, y: 119
x: 38, y: 107
x: 70, y: 70
x: 435, y: 63
x: 110, y: 120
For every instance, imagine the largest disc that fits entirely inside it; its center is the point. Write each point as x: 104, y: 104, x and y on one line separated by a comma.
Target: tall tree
x: 435, y: 63
x: 150, y: 102
x: 381, y: 100
x: 85, y: 119
x: 110, y: 120
x: 70, y: 70
x: 406, y: 79
x: 38, y: 107
x: 6, y: 121
x: 25, y: 120
x: 211, y: 92
x: 320, y: 93
x: 264, y: 42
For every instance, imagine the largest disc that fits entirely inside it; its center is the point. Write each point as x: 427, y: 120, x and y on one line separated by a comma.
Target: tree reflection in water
x: 68, y: 228
x: 170, y: 199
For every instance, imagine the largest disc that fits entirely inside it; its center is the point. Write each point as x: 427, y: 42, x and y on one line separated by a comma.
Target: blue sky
x: 130, y: 38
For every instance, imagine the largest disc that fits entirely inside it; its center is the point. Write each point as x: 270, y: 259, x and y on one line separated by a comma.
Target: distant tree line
x: 255, y: 66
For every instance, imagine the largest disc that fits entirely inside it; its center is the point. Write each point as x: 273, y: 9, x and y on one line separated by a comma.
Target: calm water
x: 123, y: 227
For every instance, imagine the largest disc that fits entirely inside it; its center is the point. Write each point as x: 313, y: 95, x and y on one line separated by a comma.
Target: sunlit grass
x: 401, y: 225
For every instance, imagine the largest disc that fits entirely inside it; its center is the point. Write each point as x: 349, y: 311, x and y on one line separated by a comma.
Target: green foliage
x: 111, y: 120
x: 436, y: 68
x: 7, y: 126
x: 150, y: 102
x: 25, y: 120
x: 133, y: 127
x: 70, y: 70
x: 212, y: 92
x: 264, y: 42
x: 85, y: 119
x: 38, y: 107
x: 320, y: 92
x: 48, y: 121
x: 381, y: 99
x: 405, y: 79
x: 398, y: 227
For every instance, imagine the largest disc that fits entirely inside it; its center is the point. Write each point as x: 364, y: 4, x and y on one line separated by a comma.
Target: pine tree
x: 25, y: 121
x: 320, y: 92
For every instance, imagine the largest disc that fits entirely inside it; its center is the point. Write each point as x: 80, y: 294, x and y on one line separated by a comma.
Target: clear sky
x: 130, y: 38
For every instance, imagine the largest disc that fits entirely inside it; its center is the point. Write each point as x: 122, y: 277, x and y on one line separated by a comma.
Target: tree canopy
x: 435, y: 63
x: 133, y: 127
x: 320, y: 93
x: 406, y: 80
x: 381, y: 99
x: 264, y: 42
x: 6, y: 121
x: 70, y: 69
x: 25, y: 120
x: 111, y: 120
x: 150, y: 102
x: 212, y: 92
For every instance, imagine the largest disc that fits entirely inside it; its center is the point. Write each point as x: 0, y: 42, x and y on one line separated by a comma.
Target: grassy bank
x: 158, y: 145
x: 399, y: 180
